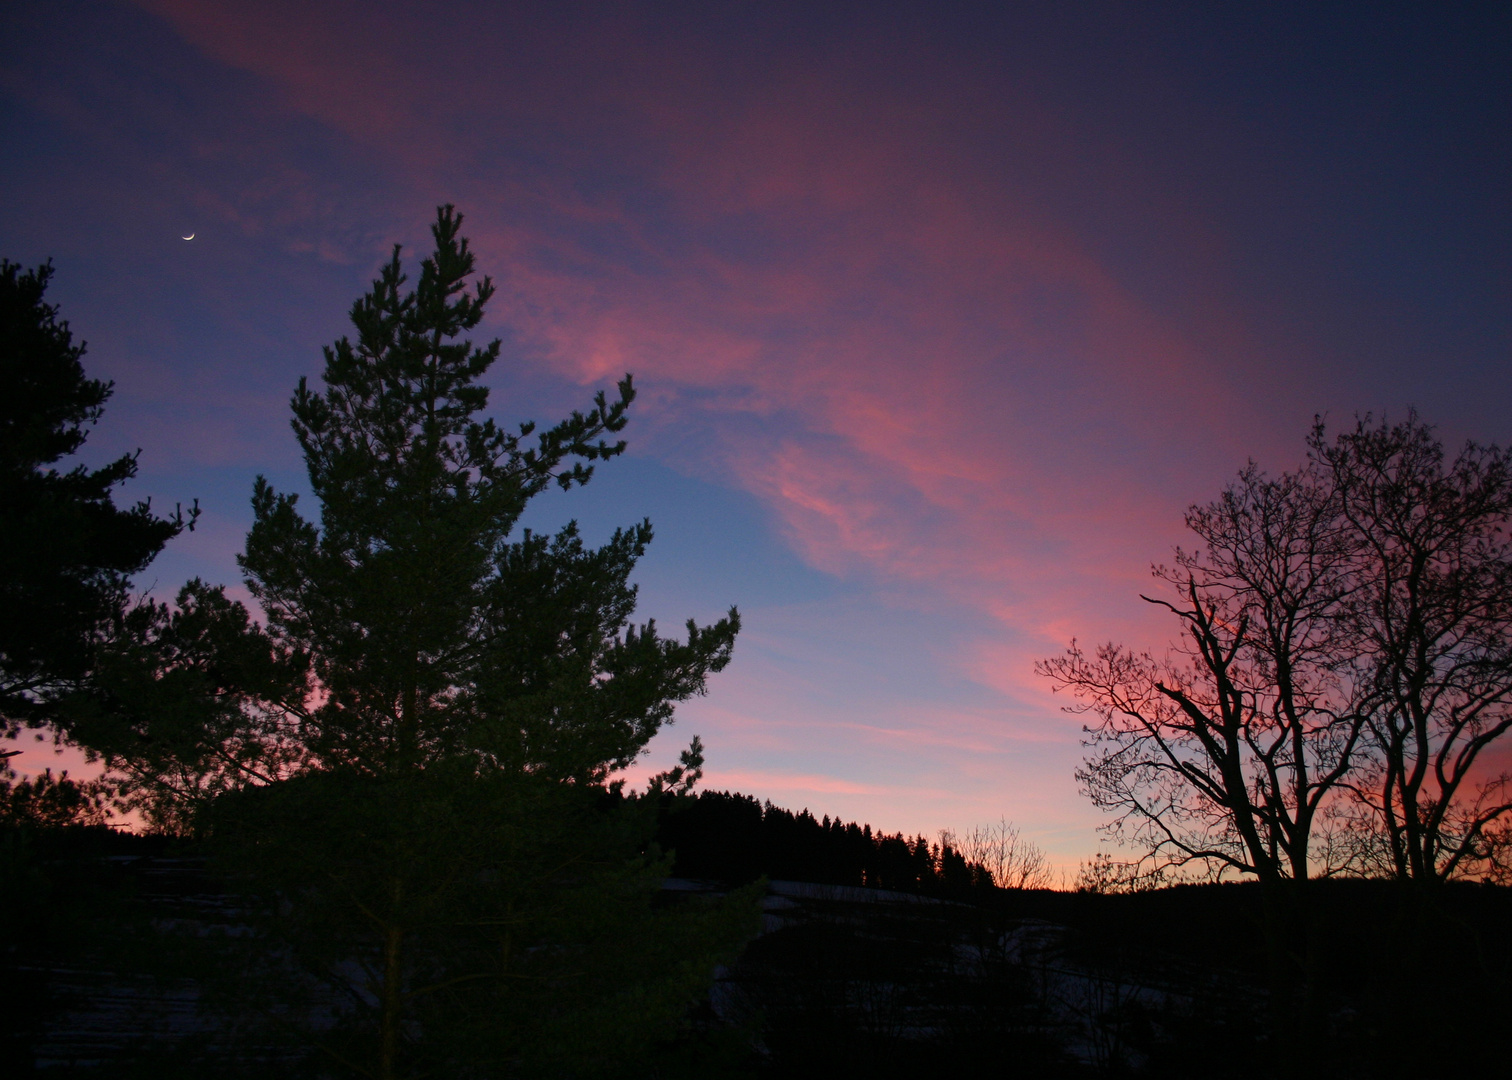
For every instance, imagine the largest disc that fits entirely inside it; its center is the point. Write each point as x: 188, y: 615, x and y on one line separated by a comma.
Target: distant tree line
x: 737, y: 838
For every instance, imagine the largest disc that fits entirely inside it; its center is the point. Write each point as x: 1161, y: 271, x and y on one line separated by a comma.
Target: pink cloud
x: 928, y: 377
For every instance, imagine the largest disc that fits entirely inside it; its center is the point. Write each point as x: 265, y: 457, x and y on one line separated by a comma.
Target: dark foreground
x: 842, y: 981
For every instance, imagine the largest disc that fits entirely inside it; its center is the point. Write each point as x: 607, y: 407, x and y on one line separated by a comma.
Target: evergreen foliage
x: 67, y: 552
x: 50, y: 802
x: 430, y: 633
x: 186, y: 703
x: 736, y: 838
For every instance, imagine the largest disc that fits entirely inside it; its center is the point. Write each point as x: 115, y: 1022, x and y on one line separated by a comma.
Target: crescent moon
x: 189, y: 237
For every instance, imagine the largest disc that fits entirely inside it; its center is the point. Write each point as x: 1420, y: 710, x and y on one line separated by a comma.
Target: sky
x: 941, y: 314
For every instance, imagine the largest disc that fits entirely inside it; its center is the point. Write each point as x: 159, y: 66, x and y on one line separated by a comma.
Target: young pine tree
x: 450, y: 886
x: 431, y: 633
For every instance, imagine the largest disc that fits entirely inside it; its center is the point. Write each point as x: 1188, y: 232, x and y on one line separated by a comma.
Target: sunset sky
x: 941, y: 313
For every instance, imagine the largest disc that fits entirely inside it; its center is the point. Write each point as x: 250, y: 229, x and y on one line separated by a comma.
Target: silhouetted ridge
x: 735, y: 838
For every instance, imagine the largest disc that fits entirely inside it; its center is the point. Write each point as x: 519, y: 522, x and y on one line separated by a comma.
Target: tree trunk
x: 392, y: 993
x: 1291, y: 949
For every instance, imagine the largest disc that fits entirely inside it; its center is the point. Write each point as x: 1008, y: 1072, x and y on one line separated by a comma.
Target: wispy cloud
x: 972, y: 323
